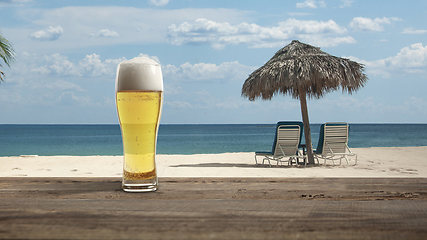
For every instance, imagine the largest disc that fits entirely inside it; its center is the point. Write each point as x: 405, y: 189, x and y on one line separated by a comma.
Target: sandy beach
x: 390, y: 162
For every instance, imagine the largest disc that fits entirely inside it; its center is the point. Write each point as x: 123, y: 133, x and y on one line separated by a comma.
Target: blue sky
x: 67, y: 54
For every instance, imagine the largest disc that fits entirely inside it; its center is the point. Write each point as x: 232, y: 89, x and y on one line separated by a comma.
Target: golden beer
x: 139, y: 99
x: 139, y: 115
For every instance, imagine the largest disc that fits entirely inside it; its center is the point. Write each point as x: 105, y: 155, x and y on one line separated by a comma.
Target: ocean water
x: 86, y: 140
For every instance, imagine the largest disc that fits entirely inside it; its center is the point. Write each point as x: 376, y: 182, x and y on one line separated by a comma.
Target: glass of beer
x: 139, y: 99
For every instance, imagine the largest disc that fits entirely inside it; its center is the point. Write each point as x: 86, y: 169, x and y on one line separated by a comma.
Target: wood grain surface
x: 215, y: 208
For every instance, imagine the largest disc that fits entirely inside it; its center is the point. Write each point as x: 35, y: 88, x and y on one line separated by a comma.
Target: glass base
x: 146, y: 185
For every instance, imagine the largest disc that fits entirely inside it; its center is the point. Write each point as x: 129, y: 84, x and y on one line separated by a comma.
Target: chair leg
x: 263, y: 160
x: 346, y: 159
x: 269, y: 163
x: 317, y: 159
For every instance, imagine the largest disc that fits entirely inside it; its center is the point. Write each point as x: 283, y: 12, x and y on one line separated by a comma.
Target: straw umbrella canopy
x: 304, y: 71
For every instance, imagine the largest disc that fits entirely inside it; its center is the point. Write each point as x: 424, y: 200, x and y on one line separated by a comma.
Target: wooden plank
x: 215, y: 208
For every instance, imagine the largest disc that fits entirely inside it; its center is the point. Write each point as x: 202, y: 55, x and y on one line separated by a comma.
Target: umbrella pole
x: 306, y: 122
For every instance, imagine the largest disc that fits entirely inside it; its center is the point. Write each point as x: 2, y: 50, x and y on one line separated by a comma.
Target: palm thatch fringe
x: 301, y: 67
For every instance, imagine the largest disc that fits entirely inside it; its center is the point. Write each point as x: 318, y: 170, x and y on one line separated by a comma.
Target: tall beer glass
x: 139, y: 99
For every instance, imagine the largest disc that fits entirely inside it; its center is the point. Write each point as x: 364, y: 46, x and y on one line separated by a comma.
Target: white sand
x: 372, y: 162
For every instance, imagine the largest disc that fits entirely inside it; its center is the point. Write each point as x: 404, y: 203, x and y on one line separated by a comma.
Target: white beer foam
x: 140, y: 73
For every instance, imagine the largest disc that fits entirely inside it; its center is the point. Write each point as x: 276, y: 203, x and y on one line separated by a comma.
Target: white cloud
x: 56, y: 64
x: 207, y: 100
x: 69, y: 98
x: 206, y: 71
x: 414, y: 31
x: 63, y: 85
x: 346, y: 3
x: 59, y: 65
x: 159, y: 2
x: 414, y: 106
x: 371, y: 25
x: 172, y: 90
x: 311, y: 4
x: 50, y: 34
x: 396, y: 19
x: 133, y: 25
x: 204, y: 31
x: 329, y: 41
x: 298, y: 14
x: 13, y: 1
x: 410, y: 60
x: 155, y: 58
x: 412, y: 57
x: 348, y: 102
x: 291, y: 26
x: 203, y: 99
x: 178, y: 104
x: 419, y: 104
x: 105, y: 33
x: 93, y: 66
x: 12, y: 97
x: 367, y: 105
x: 53, y: 80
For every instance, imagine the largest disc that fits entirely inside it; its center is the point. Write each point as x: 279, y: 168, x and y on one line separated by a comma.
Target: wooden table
x: 215, y: 208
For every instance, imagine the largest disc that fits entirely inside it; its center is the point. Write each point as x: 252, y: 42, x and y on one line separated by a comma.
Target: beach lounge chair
x: 286, y: 144
x: 332, y: 143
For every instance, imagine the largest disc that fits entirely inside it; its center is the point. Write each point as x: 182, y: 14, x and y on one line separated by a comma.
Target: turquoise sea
x: 84, y: 140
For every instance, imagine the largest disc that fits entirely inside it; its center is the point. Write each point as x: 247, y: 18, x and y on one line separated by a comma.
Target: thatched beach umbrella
x: 302, y: 71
